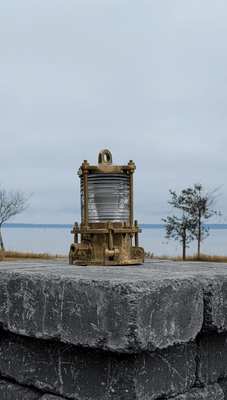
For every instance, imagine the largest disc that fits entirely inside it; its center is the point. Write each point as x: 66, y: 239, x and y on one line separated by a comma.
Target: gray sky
x: 144, y: 79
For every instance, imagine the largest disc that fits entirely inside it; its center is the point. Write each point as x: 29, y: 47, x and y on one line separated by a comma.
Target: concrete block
x: 14, y: 391
x: 85, y: 374
x: 53, y: 366
x: 52, y: 397
x: 212, y: 358
x: 165, y: 372
x: 211, y: 392
x: 124, y: 309
x: 215, y: 304
x: 223, y: 384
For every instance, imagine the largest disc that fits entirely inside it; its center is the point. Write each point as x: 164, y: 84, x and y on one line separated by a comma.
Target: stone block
x: 52, y: 397
x: 211, y: 392
x: 86, y: 374
x: 53, y: 366
x: 212, y: 358
x: 14, y: 391
x: 124, y: 309
x: 223, y: 384
x: 215, y: 304
x: 165, y: 372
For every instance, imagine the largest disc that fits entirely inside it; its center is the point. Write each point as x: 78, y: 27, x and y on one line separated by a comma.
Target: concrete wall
x: 148, y: 332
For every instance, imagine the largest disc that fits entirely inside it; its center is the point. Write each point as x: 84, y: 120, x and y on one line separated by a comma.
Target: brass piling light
x: 107, y: 226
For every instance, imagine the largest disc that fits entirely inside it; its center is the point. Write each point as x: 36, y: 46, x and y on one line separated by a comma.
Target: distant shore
x: 70, y: 226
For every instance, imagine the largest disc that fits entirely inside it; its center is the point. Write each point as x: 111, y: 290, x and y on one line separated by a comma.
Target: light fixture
x: 107, y: 226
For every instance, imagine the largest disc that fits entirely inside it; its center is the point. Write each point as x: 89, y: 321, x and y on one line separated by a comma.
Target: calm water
x: 58, y: 240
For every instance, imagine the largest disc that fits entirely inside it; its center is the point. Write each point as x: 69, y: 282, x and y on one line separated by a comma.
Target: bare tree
x: 11, y: 203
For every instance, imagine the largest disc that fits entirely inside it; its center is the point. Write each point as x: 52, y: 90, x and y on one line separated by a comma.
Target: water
x: 58, y: 240
x: 38, y: 240
x: 153, y: 240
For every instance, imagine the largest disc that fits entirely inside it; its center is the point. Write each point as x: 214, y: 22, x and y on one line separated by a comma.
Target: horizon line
x: 145, y: 226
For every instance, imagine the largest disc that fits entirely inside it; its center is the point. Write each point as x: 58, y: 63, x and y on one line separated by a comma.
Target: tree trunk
x: 1, y: 241
x: 184, y: 242
x: 199, y: 235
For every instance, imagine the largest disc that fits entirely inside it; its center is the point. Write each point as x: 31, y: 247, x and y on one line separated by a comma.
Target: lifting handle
x: 105, y: 156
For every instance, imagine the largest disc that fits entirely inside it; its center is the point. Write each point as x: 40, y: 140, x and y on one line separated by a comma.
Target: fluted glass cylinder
x: 108, y: 197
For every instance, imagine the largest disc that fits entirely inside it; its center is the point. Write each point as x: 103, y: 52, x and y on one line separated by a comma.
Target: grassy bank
x: 193, y: 257
x: 17, y: 255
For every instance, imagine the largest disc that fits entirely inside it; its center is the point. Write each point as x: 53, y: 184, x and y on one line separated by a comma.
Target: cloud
x: 145, y: 80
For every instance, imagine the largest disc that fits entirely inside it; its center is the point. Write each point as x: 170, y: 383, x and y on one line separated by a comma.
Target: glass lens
x: 108, y: 198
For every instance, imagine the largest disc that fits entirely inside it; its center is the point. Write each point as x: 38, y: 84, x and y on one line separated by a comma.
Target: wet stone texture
x: 223, y: 384
x: 211, y: 392
x: 14, y: 391
x: 51, y: 397
x: 168, y: 371
x: 212, y: 358
x: 215, y: 304
x: 90, y: 374
x: 123, y: 309
x: 156, y: 331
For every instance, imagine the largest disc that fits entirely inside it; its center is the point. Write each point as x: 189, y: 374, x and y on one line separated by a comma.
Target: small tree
x: 179, y: 228
x: 196, y: 206
x: 11, y: 203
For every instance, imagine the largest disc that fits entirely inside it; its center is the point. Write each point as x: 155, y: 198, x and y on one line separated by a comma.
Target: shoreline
x: 70, y: 226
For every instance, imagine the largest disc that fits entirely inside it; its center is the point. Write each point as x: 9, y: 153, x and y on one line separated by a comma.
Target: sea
x: 56, y: 239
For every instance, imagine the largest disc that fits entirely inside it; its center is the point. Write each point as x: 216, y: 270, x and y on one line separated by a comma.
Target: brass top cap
x: 106, y: 166
x: 105, y: 157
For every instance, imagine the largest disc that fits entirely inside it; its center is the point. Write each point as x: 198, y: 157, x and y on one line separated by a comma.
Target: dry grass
x: 17, y: 255
x: 204, y: 257
x: 193, y: 257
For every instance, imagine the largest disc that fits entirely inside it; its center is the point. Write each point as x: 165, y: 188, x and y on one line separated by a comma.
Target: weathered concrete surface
x: 223, y: 384
x: 165, y: 372
x: 14, y: 391
x: 212, y: 358
x: 211, y: 392
x: 109, y: 333
x: 51, y: 397
x: 87, y: 374
x: 215, y: 303
x: 124, y: 309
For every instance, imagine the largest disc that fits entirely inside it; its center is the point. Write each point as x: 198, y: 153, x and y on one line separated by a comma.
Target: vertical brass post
x: 136, y: 235
x: 85, y: 198
x: 131, y: 199
x: 76, y: 235
x: 110, y: 236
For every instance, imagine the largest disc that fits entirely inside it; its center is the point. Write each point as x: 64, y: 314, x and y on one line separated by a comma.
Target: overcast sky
x: 144, y: 79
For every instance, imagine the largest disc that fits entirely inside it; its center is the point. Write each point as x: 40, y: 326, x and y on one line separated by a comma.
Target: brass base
x: 106, y: 243
x: 130, y: 262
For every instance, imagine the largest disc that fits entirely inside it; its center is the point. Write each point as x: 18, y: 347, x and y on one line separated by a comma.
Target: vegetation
x: 11, y: 203
x: 193, y: 257
x: 195, y: 206
x: 17, y: 255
